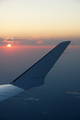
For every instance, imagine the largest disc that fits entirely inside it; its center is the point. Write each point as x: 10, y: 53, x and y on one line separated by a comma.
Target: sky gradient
x: 33, y: 28
x: 37, y: 20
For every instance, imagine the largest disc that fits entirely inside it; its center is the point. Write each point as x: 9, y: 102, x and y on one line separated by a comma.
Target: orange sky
x: 40, y: 19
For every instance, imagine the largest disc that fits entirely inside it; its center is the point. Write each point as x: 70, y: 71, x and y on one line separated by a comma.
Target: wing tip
x: 68, y: 42
x: 64, y: 43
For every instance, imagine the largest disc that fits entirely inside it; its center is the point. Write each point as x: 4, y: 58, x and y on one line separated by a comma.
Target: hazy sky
x: 39, y: 19
x: 41, y: 22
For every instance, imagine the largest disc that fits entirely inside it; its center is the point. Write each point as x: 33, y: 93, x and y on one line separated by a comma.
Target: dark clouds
x: 17, y: 42
x: 1, y: 39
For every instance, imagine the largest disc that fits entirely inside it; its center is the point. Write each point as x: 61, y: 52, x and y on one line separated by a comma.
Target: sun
x: 9, y: 45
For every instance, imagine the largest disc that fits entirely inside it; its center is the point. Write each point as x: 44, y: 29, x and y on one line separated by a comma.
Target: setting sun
x: 9, y: 45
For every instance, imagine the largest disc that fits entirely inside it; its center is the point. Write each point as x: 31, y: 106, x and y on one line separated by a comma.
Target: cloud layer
x: 44, y: 42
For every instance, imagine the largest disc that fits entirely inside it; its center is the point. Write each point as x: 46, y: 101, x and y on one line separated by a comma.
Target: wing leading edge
x: 35, y: 75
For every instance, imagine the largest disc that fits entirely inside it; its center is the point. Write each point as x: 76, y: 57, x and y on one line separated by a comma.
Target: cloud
x: 39, y: 42
x: 32, y: 42
x: 76, y: 93
x: 77, y: 96
x: 36, y: 36
x: 32, y: 99
x: 51, y: 42
x: 1, y: 39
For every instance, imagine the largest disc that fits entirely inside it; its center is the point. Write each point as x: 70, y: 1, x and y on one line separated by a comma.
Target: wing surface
x: 35, y: 75
x: 9, y: 90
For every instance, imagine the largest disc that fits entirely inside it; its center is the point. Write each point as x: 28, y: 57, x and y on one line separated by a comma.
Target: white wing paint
x: 9, y: 90
x: 35, y: 75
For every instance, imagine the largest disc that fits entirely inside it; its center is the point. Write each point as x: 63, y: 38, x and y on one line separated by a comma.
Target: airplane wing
x: 35, y: 75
